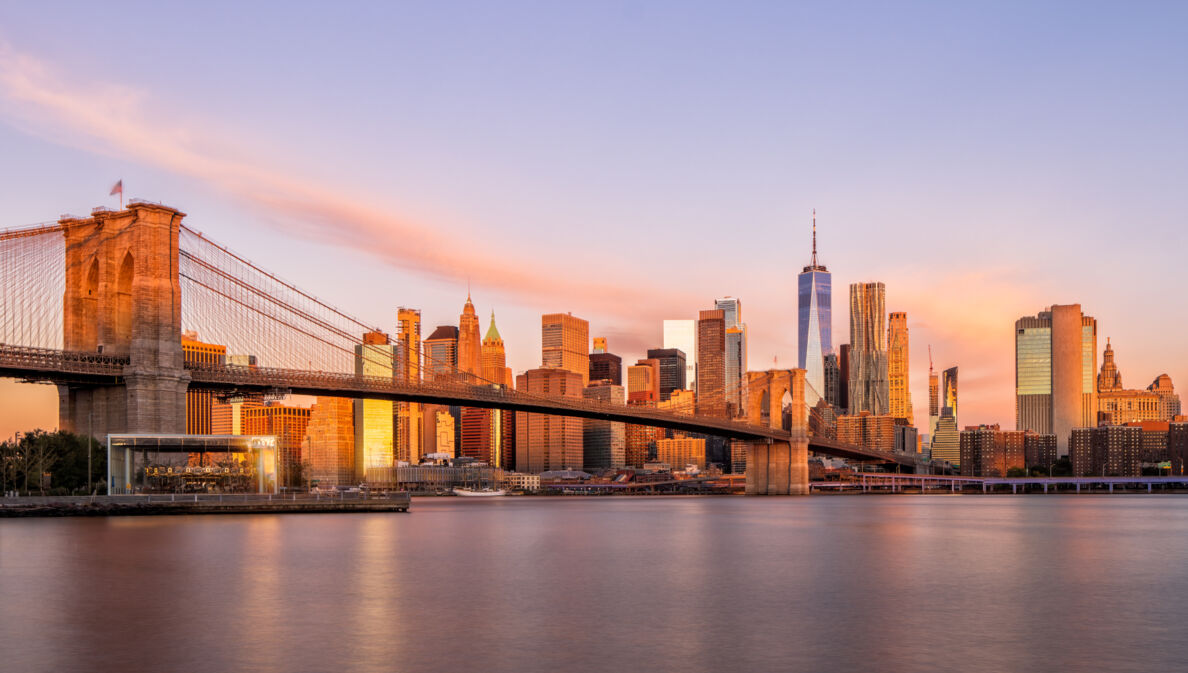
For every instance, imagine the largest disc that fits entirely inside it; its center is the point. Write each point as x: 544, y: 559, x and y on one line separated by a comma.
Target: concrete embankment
x: 139, y: 505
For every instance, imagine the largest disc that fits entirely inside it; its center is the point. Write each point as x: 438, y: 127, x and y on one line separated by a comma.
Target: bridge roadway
x: 76, y: 368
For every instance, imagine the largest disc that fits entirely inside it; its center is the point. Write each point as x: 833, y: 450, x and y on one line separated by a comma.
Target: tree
x: 28, y: 458
x: 1016, y: 472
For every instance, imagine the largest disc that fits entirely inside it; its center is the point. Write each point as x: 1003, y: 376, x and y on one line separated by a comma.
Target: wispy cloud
x: 118, y: 120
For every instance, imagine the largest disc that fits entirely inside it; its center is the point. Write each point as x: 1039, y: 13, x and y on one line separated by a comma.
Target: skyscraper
x: 604, y: 442
x: 374, y: 419
x: 493, y: 366
x: 1055, y: 372
x: 814, y: 322
x: 711, y: 363
x: 897, y: 368
x: 832, y: 380
x: 672, y: 369
x: 933, y: 397
x: 736, y: 350
x: 545, y: 442
x: 441, y: 354
x: 682, y: 334
x: 949, y: 382
x: 409, y: 418
x: 565, y: 344
x: 643, y: 381
x: 329, y: 444
x: 606, y: 367
x: 868, y: 359
x: 469, y: 343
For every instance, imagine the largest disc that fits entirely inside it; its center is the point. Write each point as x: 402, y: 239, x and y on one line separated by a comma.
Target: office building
x: 493, y: 366
x: 933, y: 397
x: 289, y: 425
x: 907, y: 439
x: 1169, y: 401
x: 946, y: 440
x: 899, y: 388
x: 200, y: 403
x: 226, y: 416
x: 949, y: 389
x: 711, y: 363
x: 545, y: 442
x: 1107, y: 451
x: 736, y: 351
x: 843, y: 378
x: 599, y: 345
x: 375, y: 429
x: 409, y: 415
x: 486, y: 436
x: 643, y: 381
x: 814, y: 323
x: 868, y: 357
x: 1177, y: 447
x: 1055, y: 372
x: 604, y: 442
x: 682, y: 334
x: 680, y: 452
x: 440, y: 354
x: 832, y: 372
x: 672, y: 369
x: 565, y: 344
x: 606, y: 366
x: 469, y: 343
x: 329, y: 445
x: 1117, y: 406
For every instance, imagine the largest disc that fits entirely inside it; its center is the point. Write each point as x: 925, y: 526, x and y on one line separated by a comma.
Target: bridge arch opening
x: 765, y: 409
x: 123, y: 321
x: 786, y: 410
x: 90, y: 304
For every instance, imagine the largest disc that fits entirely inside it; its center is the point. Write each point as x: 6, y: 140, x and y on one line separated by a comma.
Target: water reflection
x: 894, y: 583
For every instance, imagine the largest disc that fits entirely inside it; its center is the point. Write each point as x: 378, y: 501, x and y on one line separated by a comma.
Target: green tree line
x: 52, y: 463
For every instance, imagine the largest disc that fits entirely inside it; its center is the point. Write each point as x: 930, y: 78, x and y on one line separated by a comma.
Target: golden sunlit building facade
x: 900, y: 394
x: 565, y: 344
x: 545, y: 442
x: 680, y: 452
x: 329, y: 445
x: 374, y: 419
x: 200, y: 403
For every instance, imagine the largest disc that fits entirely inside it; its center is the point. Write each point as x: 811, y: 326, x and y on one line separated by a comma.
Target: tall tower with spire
x: 468, y: 339
x: 494, y: 357
x: 815, y: 322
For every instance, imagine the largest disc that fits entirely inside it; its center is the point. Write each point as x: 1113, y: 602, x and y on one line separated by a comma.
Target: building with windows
x: 681, y: 451
x: 565, y: 344
x: 946, y: 440
x: 375, y: 429
x: 1117, y: 406
x: 200, y: 403
x: 814, y: 323
x: 1039, y: 450
x: 604, y: 442
x: 1169, y: 401
x: 329, y: 445
x: 606, y: 367
x: 682, y: 334
x: 469, y: 342
x: 440, y: 362
x: 545, y: 442
x: 493, y: 360
x: 867, y: 430
x: 1055, y: 372
x: 672, y: 369
x: 868, y: 357
x: 1107, y: 450
x: 711, y: 363
x: 643, y: 381
x: 289, y: 425
x: 899, y: 388
x: 409, y: 415
x: 736, y: 351
x: 989, y: 451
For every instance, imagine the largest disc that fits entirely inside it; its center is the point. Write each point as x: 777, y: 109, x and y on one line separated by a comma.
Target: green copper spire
x: 492, y: 333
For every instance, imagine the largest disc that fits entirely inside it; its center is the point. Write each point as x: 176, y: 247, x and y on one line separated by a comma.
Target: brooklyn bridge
x: 97, y: 306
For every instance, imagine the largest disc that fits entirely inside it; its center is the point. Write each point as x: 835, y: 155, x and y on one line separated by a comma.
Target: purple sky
x: 631, y: 163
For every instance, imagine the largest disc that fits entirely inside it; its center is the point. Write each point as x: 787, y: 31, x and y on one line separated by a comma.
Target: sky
x: 631, y: 162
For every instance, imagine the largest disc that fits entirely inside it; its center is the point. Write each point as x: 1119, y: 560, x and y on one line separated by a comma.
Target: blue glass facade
x: 815, y: 324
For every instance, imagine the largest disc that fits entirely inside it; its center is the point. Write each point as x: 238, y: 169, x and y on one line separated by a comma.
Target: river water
x: 824, y: 583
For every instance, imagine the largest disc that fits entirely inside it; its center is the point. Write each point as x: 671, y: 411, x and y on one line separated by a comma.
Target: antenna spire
x: 814, y: 263
x: 930, y: 359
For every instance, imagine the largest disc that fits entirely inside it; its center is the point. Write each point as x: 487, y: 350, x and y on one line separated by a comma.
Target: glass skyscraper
x: 682, y: 334
x: 815, y: 323
x: 736, y: 351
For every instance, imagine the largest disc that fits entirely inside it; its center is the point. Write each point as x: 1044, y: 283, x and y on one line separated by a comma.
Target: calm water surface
x: 846, y: 583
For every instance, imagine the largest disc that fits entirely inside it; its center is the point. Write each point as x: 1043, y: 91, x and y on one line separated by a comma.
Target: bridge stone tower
x: 123, y: 298
x: 775, y: 467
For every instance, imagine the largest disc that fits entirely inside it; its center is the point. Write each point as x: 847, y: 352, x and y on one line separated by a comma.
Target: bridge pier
x: 123, y: 298
x: 778, y: 468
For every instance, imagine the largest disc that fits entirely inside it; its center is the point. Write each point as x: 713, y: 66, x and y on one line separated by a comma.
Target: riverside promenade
x: 158, y: 504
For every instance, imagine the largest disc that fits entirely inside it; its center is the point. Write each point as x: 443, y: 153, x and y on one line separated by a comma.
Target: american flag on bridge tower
x: 118, y: 188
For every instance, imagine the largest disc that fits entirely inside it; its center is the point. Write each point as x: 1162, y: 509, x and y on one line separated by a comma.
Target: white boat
x: 479, y: 493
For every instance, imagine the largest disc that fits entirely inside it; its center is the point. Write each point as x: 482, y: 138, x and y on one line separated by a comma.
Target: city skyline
x: 961, y: 297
